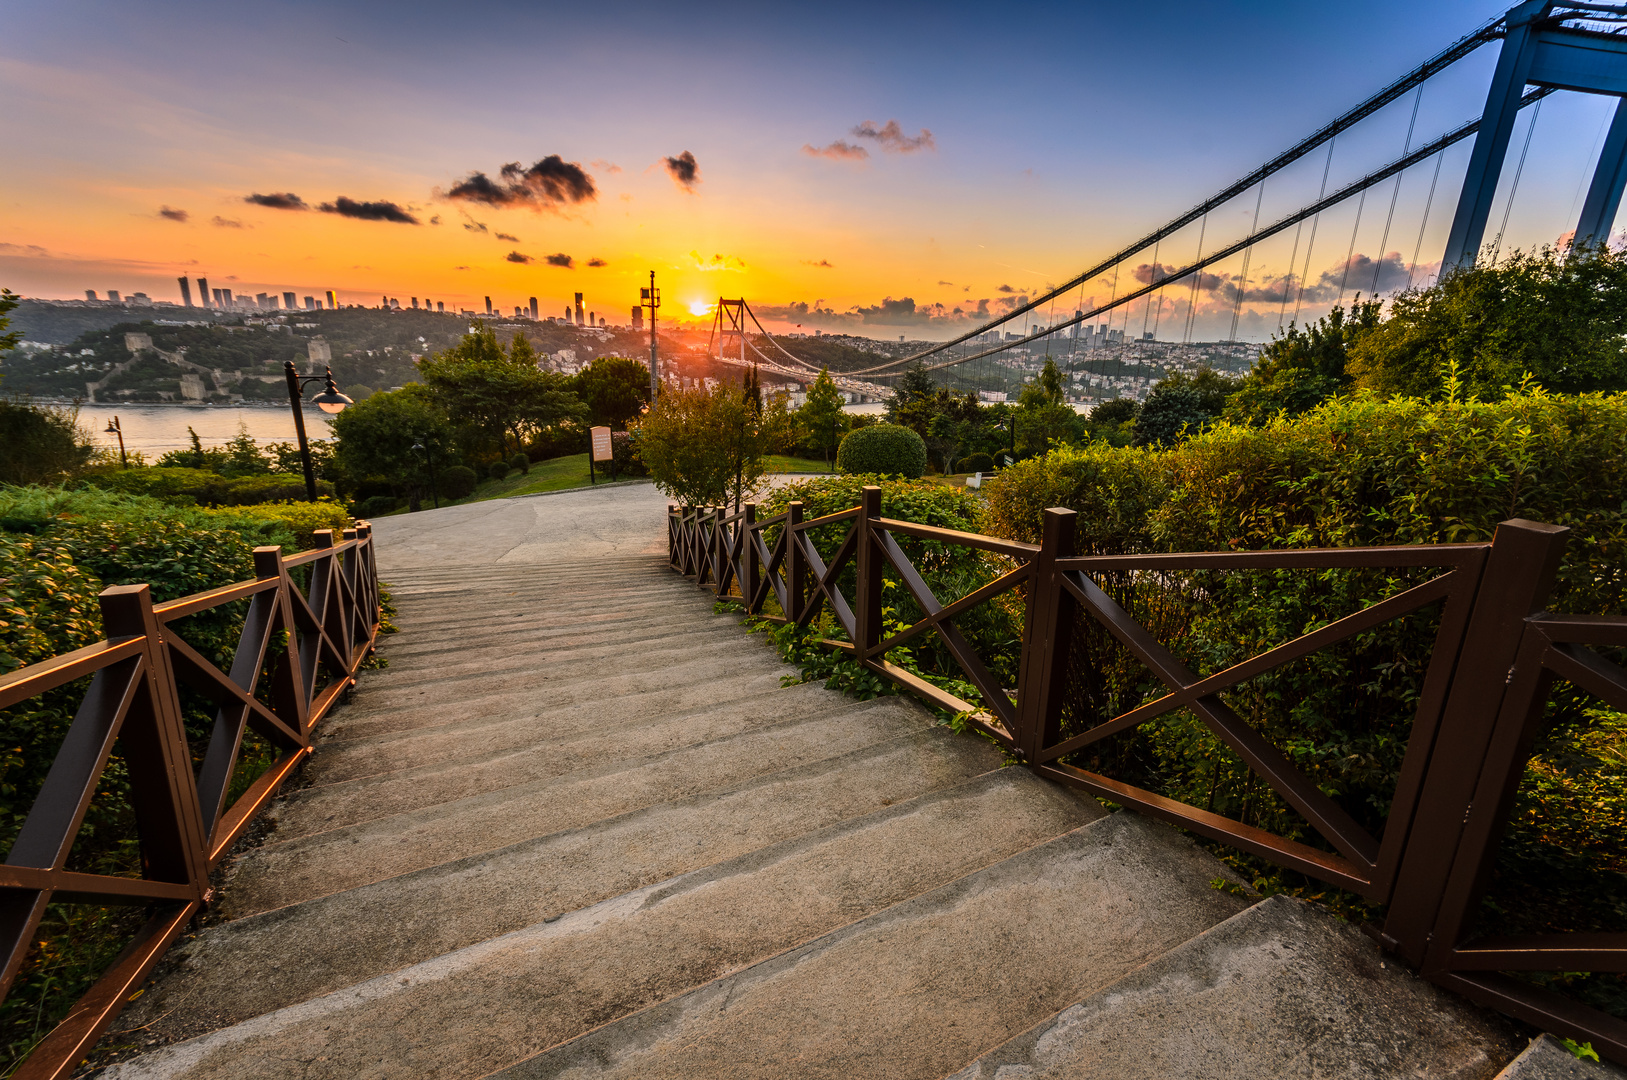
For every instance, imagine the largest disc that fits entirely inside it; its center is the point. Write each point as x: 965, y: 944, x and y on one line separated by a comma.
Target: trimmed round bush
x: 376, y: 504
x: 975, y: 463
x: 520, y: 463
x: 458, y: 481
x: 885, y: 449
x: 497, y: 470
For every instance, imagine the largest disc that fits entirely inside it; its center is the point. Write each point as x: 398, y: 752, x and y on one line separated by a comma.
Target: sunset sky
x: 841, y: 159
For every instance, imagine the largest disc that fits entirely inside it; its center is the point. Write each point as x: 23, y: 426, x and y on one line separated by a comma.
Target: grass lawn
x: 551, y: 475
x: 780, y: 463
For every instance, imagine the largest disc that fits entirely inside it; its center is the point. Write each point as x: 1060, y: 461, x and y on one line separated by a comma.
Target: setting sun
x: 700, y: 308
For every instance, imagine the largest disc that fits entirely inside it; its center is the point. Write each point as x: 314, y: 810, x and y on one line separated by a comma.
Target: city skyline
x: 883, y: 173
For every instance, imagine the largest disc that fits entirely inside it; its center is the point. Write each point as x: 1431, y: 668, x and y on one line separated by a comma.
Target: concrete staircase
x: 579, y: 828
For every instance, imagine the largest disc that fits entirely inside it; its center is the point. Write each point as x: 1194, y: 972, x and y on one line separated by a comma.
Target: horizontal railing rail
x: 297, y: 654
x: 1494, y: 656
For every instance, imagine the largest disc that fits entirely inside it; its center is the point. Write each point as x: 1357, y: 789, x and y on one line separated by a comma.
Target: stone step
x: 1283, y: 989
x: 1547, y: 1059
x: 919, y: 989
x: 696, y: 751
x: 498, y: 1002
x: 276, y: 958
x: 728, y: 702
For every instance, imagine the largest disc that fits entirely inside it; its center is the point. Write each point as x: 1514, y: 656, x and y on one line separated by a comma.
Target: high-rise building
x: 288, y: 301
x: 113, y: 295
x: 440, y: 305
x: 310, y: 303
x: 488, y: 305
x: 203, y: 292
x: 214, y: 294
x: 263, y: 300
x: 186, y: 291
x: 592, y: 321
x: 333, y: 304
x: 415, y: 303
x: 578, y: 309
x: 533, y: 307
x: 567, y: 313
x: 90, y: 294
x: 603, y: 322
x: 638, y: 316
x: 226, y: 295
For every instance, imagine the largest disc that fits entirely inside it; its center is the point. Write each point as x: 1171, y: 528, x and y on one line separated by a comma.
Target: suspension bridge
x: 1544, y: 47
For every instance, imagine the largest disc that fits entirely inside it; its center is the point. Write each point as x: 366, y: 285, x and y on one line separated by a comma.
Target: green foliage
x: 8, y: 304
x: 202, y: 487
x: 458, y: 482
x: 375, y: 505
x: 624, y: 454
x: 519, y: 463
x: 704, y: 447
x: 882, y: 450
x: 973, y: 463
x: 1300, y: 369
x: 821, y: 419
x: 496, y: 399
x: 1556, y: 317
x: 377, y: 438
x: 1181, y: 405
x: 41, y: 444
x: 299, y: 518
x: 615, y: 389
x: 497, y: 470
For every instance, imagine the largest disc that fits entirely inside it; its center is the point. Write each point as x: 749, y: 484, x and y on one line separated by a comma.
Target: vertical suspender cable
x: 1497, y: 244
x: 1197, y: 279
x: 1412, y: 267
x: 1315, y: 221
x: 1406, y: 148
x: 1237, y: 308
x: 1361, y: 203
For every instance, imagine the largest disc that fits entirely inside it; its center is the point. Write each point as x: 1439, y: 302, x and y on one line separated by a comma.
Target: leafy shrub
x: 624, y: 454
x: 41, y: 444
x: 520, y: 463
x: 458, y: 482
x: 375, y: 505
x: 177, y: 483
x: 497, y: 470
x: 883, y: 450
x: 302, y: 519
x: 974, y: 463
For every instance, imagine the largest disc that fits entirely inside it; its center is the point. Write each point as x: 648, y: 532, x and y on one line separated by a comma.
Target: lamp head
x: 330, y: 400
x: 418, y: 446
x: 112, y: 428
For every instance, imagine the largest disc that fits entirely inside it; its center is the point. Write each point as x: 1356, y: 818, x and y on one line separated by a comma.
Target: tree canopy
x: 615, y: 389
x: 499, y: 399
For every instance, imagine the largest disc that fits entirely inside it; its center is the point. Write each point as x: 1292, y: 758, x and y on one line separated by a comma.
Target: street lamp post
x: 330, y: 400
x: 429, y: 461
x: 115, y: 428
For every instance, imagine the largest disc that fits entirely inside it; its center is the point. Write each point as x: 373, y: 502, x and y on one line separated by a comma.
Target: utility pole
x: 651, y: 299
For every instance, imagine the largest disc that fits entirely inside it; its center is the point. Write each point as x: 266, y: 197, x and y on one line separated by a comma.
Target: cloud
x: 684, y: 171
x: 1005, y: 288
x: 472, y: 225
x: 436, y: 220
x: 226, y: 223
x: 559, y: 258
x: 892, y: 138
x: 822, y: 264
x: 597, y: 262
x: 22, y: 249
x: 606, y: 166
x: 173, y: 214
x: 510, y: 237
x: 278, y: 200
x: 837, y: 151
x: 717, y: 262
x: 368, y: 211
x: 549, y: 184
x: 463, y: 268
x: 946, y: 283
x: 516, y: 257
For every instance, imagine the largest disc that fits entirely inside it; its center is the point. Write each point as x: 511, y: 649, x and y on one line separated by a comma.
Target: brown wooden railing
x: 311, y: 642
x: 1496, y: 654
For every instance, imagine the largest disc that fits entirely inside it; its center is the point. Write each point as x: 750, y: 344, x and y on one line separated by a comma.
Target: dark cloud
x: 717, y: 262
x: 226, y: 223
x: 597, y: 262
x: 1004, y: 288
x: 837, y: 151
x: 172, y: 214
x: 946, y: 283
x: 472, y: 225
x: 278, y: 200
x: 549, y: 184
x: 463, y: 268
x: 436, y: 220
x: 368, y: 211
x: 822, y: 264
x: 510, y: 237
x: 683, y: 170
x: 516, y: 257
x: 892, y: 138
x: 559, y: 258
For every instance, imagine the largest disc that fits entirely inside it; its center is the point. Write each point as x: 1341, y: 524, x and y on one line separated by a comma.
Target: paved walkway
x: 579, y: 827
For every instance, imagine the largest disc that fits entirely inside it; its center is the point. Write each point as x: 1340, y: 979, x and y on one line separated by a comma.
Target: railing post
x: 867, y: 617
x: 750, y: 565
x: 1519, y: 573
x: 1047, y: 637
x: 720, y: 549
x: 796, y: 564
x: 672, y: 536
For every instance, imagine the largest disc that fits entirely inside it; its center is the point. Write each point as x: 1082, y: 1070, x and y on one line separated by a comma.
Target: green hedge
x: 204, y: 487
x: 882, y: 450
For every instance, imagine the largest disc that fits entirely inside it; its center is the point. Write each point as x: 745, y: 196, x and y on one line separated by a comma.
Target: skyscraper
x: 533, y: 307
x: 310, y: 303
x: 90, y: 294
x: 226, y: 295
x: 415, y: 303
x: 333, y: 304
x: 113, y: 295
x: 288, y: 301
x: 203, y: 293
x: 578, y: 309
x: 638, y: 316
x: 567, y: 313
x: 440, y: 305
x: 488, y: 305
x: 186, y: 291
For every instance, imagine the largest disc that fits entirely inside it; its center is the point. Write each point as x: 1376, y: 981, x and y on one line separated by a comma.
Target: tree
x: 1044, y: 418
x: 8, y: 304
x: 615, y: 389
x: 703, y: 447
x: 821, y: 416
x: 374, y: 439
x: 916, y: 385
x: 1113, y: 421
x: 1300, y: 369
x: 40, y: 444
x: 1556, y: 317
x: 498, y: 399
x: 1181, y: 405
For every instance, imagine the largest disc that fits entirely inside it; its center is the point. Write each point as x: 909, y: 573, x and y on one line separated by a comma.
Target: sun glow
x: 700, y: 308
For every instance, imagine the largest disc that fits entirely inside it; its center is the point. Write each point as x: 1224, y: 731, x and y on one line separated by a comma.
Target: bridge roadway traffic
x: 579, y: 827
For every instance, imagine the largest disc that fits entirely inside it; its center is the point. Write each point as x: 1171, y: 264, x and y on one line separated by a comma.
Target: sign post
x: 601, y: 451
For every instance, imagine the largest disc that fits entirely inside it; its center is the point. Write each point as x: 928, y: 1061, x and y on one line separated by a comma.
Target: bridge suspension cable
x: 1491, y: 31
